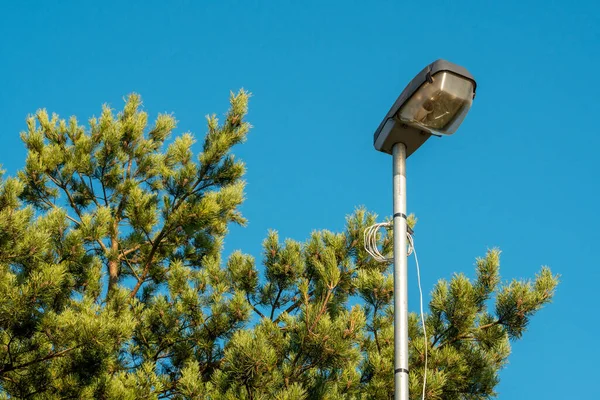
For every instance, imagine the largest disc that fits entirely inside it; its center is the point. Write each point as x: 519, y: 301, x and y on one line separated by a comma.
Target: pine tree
x: 113, y: 286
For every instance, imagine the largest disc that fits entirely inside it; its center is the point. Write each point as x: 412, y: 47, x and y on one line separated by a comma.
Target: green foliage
x: 113, y: 284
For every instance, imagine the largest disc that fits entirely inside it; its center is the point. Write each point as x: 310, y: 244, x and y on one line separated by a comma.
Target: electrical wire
x: 426, y: 341
x: 370, y: 244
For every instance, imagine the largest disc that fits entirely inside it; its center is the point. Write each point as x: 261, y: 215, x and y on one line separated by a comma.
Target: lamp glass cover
x: 441, y: 105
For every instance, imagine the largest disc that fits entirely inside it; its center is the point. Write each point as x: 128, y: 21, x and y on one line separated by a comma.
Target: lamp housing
x: 435, y: 102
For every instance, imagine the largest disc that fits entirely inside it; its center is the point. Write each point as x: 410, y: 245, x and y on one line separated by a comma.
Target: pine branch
x: 375, y: 335
x: 470, y: 334
x: 52, y: 205
x: 91, y: 186
x: 125, y: 253
x: 254, y: 307
x: 89, y: 189
x: 321, y: 311
x: 130, y: 267
x: 292, y: 307
x: 146, y: 269
x: 64, y: 188
x: 274, y: 304
x: 164, y: 231
x: 9, y: 367
x: 102, y: 178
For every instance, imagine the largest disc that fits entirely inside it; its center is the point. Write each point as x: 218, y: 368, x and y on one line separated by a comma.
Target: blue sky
x: 519, y: 174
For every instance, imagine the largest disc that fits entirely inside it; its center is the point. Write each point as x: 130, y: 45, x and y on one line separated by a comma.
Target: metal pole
x: 400, y: 276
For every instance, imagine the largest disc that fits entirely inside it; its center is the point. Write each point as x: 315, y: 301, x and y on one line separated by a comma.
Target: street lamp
x: 435, y: 102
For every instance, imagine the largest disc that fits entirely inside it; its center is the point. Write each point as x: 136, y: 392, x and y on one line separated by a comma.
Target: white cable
x: 370, y: 241
x: 370, y: 244
x: 412, y: 244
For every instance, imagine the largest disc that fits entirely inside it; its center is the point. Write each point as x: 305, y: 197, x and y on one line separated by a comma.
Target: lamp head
x: 435, y: 101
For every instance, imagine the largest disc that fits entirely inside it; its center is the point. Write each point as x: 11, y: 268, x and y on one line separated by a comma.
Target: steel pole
x: 400, y: 275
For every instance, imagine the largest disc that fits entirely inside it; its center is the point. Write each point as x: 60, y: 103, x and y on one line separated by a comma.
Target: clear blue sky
x: 521, y: 172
